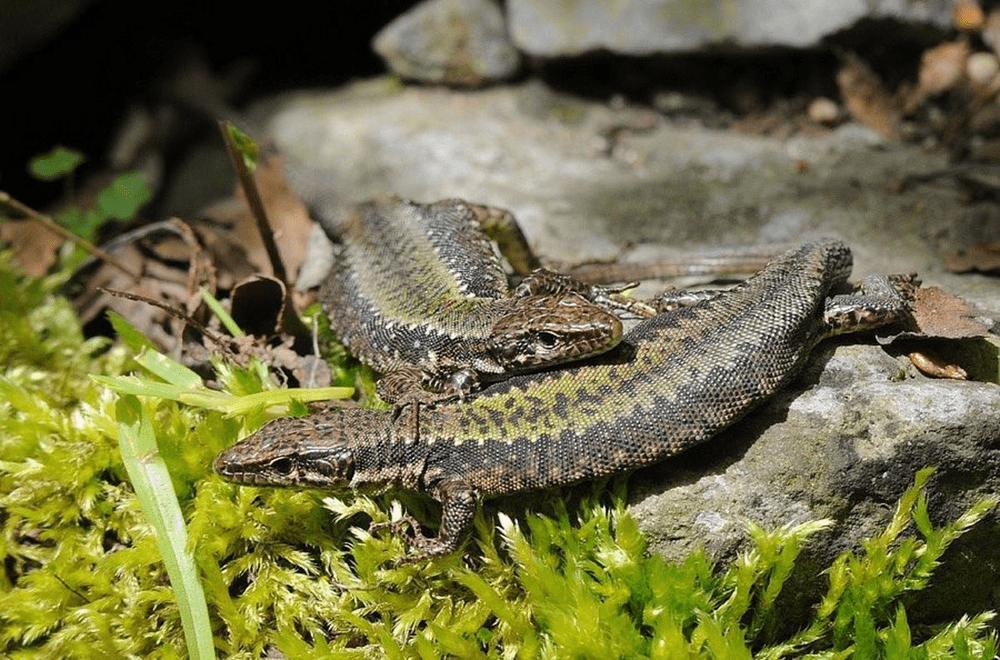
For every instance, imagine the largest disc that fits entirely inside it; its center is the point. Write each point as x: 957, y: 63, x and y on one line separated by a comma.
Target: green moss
x: 298, y: 571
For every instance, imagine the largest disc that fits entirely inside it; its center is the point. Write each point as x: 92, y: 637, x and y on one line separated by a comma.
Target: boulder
x: 451, y: 42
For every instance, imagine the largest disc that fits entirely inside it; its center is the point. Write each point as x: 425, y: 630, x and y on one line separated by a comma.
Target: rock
x: 846, y: 438
x: 566, y: 28
x: 843, y: 442
x: 454, y: 42
x: 582, y: 190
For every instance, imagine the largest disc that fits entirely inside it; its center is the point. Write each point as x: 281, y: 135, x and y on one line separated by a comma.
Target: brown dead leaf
x: 934, y: 365
x: 938, y: 313
x: 949, y: 341
x: 984, y: 258
x: 866, y: 99
x: 261, y: 306
x: 967, y: 16
x: 35, y: 248
x: 257, y: 305
x: 287, y: 214
x: 173, y: 267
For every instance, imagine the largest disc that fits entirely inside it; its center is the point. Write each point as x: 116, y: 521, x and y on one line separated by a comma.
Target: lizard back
x: 674, y: 381
x: 394, y: 295
x: 421, y: 284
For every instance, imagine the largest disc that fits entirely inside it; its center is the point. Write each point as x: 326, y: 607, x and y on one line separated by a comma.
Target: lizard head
x: 552, y: 329
x: 288, y: 452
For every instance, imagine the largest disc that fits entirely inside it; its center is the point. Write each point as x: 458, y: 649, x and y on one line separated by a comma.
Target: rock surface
x: 845, y: 440
x: 583, y: 190
x: 570, y: 27
x: 452, y: 42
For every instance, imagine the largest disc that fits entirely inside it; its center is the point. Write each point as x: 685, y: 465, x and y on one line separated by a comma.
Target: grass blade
x: 151, y: 481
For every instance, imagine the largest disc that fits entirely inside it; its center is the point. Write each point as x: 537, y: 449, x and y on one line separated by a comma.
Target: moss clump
x: 297, y: 572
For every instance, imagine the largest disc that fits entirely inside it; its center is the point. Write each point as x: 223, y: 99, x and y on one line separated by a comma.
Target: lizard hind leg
x: 879, y: 300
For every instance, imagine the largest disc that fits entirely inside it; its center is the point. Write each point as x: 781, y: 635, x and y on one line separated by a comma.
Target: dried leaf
x: 934, y: 365
x: 967, y: 16
x: 866, y: 100
x: 942, y: 68
x: 35, y: 248
x: 938, y: 313
x: 950, y: 340
x: 261, y: 306
x: 257, y: 305
x: 287, y: 214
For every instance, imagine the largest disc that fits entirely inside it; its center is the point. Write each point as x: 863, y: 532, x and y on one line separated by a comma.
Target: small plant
x: 119, y: 200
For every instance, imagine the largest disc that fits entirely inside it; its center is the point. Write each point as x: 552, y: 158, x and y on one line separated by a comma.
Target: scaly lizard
x: 418, y: 292
x: 673, y: 382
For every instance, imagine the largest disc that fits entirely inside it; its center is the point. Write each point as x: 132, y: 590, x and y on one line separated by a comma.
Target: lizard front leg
x: 427, y: 385
x: 458, y: 508
x: 503, y: 228
x: 545, y: 282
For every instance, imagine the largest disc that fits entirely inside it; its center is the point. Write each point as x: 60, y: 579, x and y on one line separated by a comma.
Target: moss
x: 298, y: 572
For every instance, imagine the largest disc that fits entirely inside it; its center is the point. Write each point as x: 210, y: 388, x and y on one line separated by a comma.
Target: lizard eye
x: 547, y: 339
x: 281, y: 465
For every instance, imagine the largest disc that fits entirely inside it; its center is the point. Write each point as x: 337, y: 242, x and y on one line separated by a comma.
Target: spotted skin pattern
x: 674, y: 381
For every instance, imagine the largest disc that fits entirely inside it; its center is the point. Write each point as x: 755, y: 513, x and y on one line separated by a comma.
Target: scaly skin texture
x: 417, y: 291
x: 675, y: 381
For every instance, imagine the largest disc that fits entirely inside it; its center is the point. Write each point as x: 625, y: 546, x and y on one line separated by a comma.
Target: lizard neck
x: 386, y: 454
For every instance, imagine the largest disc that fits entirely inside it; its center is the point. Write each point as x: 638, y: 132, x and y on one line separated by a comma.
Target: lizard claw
x: 408, y: 528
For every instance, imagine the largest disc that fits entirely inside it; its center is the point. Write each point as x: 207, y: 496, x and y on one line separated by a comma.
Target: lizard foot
x: 424, y: 386
x: 409, y: 529
x: 878, y: 300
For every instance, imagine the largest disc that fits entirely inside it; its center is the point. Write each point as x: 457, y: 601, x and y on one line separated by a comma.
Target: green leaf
x: 151, y: 481
x: 82, y: 223
x: 224, y: 317
x: 128, y: 334
x: 245, y: 144
x: 124, y: 196
x: 55, y: 164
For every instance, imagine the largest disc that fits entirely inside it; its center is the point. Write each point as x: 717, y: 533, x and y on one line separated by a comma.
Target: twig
x: 252, y: 193
x: 222, y: 341
x: 58, y: 229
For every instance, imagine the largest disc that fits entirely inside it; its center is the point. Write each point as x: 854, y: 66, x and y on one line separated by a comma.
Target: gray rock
x: 845, y: 439
x: 454, y: 42
x: 565, y: 28
x: 581, y: 195
x: 842, y: 443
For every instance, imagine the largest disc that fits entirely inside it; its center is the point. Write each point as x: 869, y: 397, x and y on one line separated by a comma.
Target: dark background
x: 75, y: 88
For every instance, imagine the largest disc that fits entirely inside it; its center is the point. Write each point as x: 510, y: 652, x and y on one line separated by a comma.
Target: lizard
x: 673, y: 382
x: 417, y: 292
